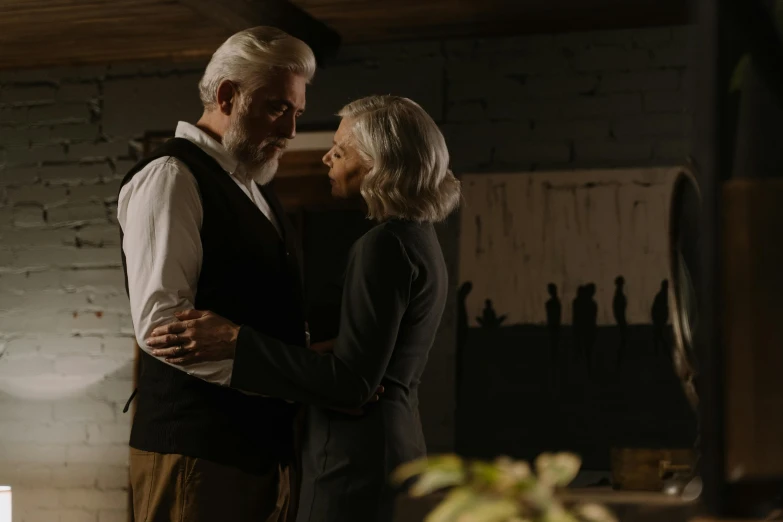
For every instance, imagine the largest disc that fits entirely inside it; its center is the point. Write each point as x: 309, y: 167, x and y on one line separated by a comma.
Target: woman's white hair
x: 406, y: 153
x: 249, y: 57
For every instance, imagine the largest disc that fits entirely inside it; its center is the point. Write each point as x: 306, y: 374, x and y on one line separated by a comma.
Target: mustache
x: 281, y: 143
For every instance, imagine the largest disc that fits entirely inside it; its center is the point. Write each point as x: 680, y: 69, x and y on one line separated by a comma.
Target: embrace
x: 238, y: 418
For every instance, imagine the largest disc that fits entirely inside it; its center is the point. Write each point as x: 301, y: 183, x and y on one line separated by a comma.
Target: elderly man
x: 200, y: 229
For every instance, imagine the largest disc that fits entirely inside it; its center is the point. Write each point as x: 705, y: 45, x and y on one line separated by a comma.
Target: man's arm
x: 160, y: 213
x: 376, y: 296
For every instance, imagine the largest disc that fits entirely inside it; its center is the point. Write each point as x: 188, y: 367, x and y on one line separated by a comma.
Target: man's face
x: 261, y: 126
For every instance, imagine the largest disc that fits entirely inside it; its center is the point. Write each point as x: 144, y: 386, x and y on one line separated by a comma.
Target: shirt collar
x: 209, y: 145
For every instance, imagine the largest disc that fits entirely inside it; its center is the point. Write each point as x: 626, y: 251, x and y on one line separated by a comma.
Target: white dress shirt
x: 160, y: 213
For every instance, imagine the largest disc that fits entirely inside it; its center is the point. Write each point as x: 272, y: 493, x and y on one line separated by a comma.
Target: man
x: 200, y: 229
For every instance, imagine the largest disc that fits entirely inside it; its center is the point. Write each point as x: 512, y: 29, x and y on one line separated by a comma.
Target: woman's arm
x: 376, y: 296
x: 375, y: 299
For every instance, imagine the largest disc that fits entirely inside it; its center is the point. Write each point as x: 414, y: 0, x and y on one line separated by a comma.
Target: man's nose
x: 288, y: 127
x: 327, y: 159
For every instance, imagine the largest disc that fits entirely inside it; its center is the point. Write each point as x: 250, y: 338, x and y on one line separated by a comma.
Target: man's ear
x: 227, y: 95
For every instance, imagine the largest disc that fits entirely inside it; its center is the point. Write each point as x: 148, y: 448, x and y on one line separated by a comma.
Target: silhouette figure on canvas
x: 462, y: 340
x: 585, y: 316
x: 578, y: 318
x: 591, y: 321
x: 660, y: 316
x: 462, y: 312
x: 489, y: 318
x: 619, y: 307
x: 554, y: 314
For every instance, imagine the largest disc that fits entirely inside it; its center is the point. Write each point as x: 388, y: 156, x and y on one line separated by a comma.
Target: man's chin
x: 264, y: 174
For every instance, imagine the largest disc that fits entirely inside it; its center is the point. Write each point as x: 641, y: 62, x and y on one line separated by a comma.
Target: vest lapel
x: 287, y: 230
x: 289, y: 235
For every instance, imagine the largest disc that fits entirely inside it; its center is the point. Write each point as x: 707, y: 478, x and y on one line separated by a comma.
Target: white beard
x: 263, y: 173
x: 257, y: 164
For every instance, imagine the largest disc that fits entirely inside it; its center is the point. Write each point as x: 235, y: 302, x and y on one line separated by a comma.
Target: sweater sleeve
x: 376, y: 295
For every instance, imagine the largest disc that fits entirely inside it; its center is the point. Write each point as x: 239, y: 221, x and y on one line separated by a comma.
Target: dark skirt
x: 347, y: 461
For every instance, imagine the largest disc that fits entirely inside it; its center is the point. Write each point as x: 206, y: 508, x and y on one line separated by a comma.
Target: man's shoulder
x: 163, y: 165
x: 165, y: 171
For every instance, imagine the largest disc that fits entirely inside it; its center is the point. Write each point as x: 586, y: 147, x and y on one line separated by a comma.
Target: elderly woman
x: 389, y: 151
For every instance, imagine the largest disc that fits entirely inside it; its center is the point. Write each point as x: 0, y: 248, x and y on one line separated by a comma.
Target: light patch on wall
x: 29, y: 371
x: 311, y: 141
x: 50, y: 386
x: 520, y: 232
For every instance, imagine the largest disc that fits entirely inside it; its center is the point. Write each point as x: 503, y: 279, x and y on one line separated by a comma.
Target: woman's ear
x: 227, y: 95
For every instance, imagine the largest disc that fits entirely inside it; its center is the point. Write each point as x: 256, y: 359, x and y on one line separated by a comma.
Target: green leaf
x: 484, y: 473
x: 538, y: 497
x: 419, y: 466
x: 458, y: 501
x: 436, y: 479
x: 489, y: 509
x: 738, y: 76
x: 594, y: 513
x: 557, y: 469
x: 556, y: 513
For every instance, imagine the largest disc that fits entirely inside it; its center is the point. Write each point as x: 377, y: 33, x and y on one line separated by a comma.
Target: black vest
x: 250, y: 276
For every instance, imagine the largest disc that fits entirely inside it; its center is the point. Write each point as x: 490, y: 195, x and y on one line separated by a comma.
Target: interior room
x: 610, y: 275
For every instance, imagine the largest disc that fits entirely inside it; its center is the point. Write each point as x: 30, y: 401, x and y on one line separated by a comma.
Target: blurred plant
x: 501, y: 491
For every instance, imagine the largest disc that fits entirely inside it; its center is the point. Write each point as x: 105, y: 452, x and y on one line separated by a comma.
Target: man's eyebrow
x: 288, y: 104
x: 338, y: 145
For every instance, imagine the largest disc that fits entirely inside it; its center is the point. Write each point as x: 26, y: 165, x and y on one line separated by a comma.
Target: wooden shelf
x: 607, y: 495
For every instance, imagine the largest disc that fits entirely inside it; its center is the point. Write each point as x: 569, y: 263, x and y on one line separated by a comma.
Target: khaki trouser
x: 175, y: 488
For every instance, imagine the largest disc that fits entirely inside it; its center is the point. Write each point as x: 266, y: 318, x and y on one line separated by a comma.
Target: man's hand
x: 200, y: 336
x: 197, y: 336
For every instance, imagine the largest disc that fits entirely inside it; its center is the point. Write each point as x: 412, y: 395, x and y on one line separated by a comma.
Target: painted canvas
x: 564, y: 337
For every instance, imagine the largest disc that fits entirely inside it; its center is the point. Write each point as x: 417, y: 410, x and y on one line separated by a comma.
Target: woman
x: 389, y: 151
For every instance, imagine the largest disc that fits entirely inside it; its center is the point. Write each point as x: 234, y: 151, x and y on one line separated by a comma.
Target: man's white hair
x: 249, y: 57
x: 407, y: 157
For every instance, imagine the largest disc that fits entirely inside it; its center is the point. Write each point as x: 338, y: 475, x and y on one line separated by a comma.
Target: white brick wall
x: 67, y: 137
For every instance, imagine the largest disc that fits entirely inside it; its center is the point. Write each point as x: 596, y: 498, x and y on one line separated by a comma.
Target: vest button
x: 287, y: 253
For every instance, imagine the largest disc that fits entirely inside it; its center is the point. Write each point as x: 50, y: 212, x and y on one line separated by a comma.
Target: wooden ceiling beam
x: 373, y: 21
x: 236, y: 15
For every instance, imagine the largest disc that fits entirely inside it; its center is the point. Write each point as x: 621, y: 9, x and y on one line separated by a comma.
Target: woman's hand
x: 323, y: 346
x: 197, y: 336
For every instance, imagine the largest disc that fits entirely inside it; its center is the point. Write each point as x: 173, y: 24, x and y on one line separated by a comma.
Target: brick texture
x: 67, y: 135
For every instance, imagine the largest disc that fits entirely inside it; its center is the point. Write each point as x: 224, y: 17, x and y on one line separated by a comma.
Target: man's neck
x: 207, y: 124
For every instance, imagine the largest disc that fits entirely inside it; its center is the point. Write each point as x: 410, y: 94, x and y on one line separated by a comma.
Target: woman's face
x: 346, y: 168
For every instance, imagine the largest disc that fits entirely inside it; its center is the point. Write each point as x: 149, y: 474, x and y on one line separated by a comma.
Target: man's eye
x: 336, y: 155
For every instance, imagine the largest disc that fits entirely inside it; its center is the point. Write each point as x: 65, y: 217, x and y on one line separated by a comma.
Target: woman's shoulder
x: 381, y: 238
x: 398, y: 232
x: 381, y: 250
